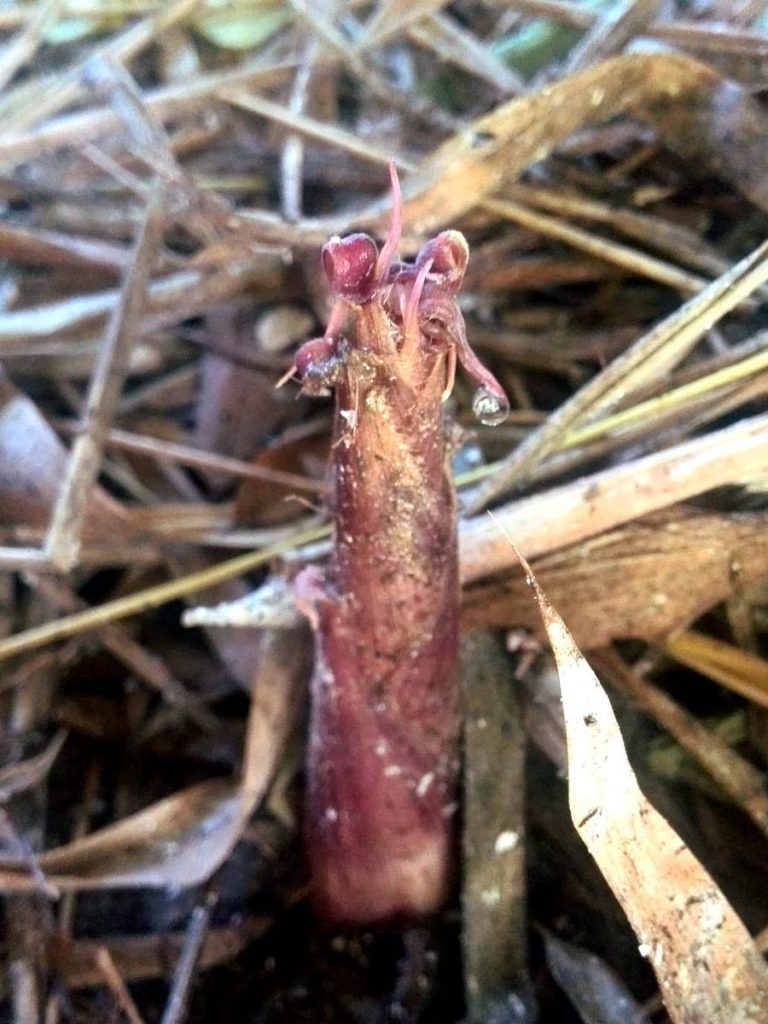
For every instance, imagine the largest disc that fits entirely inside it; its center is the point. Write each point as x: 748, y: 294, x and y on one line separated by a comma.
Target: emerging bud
x: 448, y: 253
x: 318, y: 365
x: 350, y: 266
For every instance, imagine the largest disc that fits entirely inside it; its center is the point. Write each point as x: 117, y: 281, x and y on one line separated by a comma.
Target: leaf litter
x: 707, y: 965
x: 169, y: 174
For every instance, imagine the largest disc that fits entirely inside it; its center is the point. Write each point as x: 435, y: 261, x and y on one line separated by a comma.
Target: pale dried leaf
x: 181, y: 840
x: 15, y: 778
x: 640, y: 580
x: 32, y: 462
x: 151, y: 956
x: 175, y: 842
x: 591, y: 985
x: 708, y: 968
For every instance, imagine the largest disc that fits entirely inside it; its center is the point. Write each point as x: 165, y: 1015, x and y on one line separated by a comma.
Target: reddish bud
x: 317, y: 364
x: 350, y: 266
x: 448, y: 253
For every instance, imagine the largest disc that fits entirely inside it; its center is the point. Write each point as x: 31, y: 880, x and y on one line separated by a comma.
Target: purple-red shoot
x: 383, y: 739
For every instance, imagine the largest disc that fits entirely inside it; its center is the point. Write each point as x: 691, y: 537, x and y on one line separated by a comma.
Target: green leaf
x: 234, y: 29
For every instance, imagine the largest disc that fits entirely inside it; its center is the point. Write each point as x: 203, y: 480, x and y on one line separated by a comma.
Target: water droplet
x: 490, y: 408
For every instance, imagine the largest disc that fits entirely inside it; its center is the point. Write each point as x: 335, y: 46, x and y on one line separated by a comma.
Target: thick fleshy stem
x: 383, y: 734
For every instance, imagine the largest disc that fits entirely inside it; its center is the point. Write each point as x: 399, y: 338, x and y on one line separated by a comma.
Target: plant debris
x: 184, y: 191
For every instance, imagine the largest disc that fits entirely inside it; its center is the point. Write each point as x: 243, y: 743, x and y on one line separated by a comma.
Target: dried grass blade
x: 393, y: 16
x: 681, y: 98
x: 682, y: 244
x: 493, y: 891
x: 16, y: 110
x: 717, y: 38
x: 329, y: 134
x: 15, y: 778
x: 616, y: 26
x: 592, y: 504
x: 740, y: 671
x: 19, y: 559
x: 563, y: 12
x: 170, y: 299
x: 542, y: 523
x: 21, y: 49
x: 414, y: 105
x: 188, y: 962
x: 114, y: 980
x: 183, y: 839
x: 164, y: 103
x: 65, y: 533
x: 153, y: 597
x: 739, y: 779
x: 648, y: 359
x: 150, y: 956
x: 23, y: 244
x: 623, y: 256
x: 188, y: 455
x: 450, y: 42
x: 497, y: 147
x: 675, y: 398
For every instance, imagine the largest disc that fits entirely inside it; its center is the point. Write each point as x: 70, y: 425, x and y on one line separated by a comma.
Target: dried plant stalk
x: 384, y: 723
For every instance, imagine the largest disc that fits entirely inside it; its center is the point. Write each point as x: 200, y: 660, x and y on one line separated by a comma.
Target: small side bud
x: 350, y: 266
x: 448, y: 253
x: 318, y: 365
